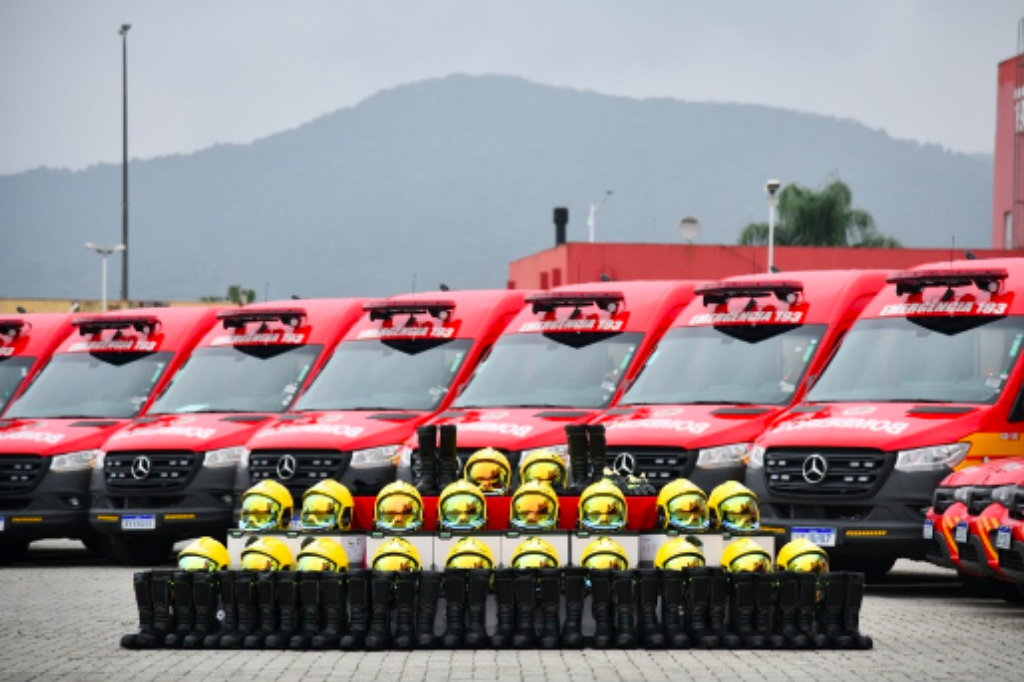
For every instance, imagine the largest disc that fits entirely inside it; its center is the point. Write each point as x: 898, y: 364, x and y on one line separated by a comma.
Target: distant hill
x: 448, y: 180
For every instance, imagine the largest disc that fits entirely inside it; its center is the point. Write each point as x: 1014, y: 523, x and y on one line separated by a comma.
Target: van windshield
x: 730, y: 365
x: 386, y: 375
x: 558, y: 369
x: 942, y: 359
x: 91, y: 385
x: 238, y: 379
x: 12, y: 372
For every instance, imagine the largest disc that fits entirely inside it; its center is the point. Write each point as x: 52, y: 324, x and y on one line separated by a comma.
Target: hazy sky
x: 203, y: 72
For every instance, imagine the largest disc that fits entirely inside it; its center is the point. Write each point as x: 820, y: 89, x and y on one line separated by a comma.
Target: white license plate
x: 138, y: 522
x: 1003, y: 536
x: 929, y: 530
x: 961, y: 532
x: 823, y: 537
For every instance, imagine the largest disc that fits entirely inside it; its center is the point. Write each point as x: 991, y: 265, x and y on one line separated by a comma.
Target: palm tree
x: 825, y: 218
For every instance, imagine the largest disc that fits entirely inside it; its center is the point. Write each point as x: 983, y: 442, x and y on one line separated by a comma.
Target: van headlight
x: 374, y: 457
x: 74, y: 461
x: 227, y: 457
x: 932, y: 458
x: 722, y: 456
x: 756, y: 460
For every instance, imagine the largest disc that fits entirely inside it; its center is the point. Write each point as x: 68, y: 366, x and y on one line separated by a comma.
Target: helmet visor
x: 319, y: 512
x: 533, y: 511
x: 545, y: 471
x: 755, y: 562
x: 192, y: 562
x: 490, y: 476
x: 603, y: 512
x: 678, y: 563
x: 470, y: 560
x: 534, y: 560
x: 255, y: 561
x: 462, y: 512
x: 259, y: 512
x: 395, y: 562
x: 399, y: 512
x: 688, y: 511
x: 312, y: 562
x: 811, y: 562
x: 740, y: 513
x: 605, y: 561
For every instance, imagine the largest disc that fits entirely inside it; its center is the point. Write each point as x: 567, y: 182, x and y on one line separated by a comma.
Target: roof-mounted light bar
x: 11, y: 327
x: 144, y: 324
x: 239, y: 316
x: 610, y: 301
x: 915, y: 281
x: 786, y: 291
x: 384, y: 310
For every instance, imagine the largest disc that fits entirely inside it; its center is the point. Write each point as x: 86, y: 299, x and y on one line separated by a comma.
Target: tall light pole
x: 592, y: 220
x: 124, y: 168
x: 772, y: 188
x: 104, y: 251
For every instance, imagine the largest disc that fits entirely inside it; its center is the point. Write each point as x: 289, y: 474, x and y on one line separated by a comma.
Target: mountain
x: 448, y: 180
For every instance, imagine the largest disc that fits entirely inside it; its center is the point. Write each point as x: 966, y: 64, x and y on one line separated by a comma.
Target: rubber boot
x: 204, y: 599
x: 505, y: 596
x: 851, y: 614
x: 226, y: 588
x: 765, y: 608
x: 601, y: 608
x: 454, y: 636
x: 579, y: 453
x: 624, y: 591
x: 476, y: 608
x: 405, y: 609
x: 807, y: 609
x: 430, y: 591
x: 672, y: 610
x: 245, y: 608
x: 329, y: 588
x: 550, y: 593
x: 651, y: 635
x: 287, y: 609
x: 718, y: 609
x: 574, y: 583
x: 310, y: 613
x: 160, y: 585
x: 424, y: 461
x: 447, y: 457
x: 786, y: 605
x: 140, y: 584
x: 359, y: 609
x: 830, y: 610
x: 378, y: 636
x: 697, y: 614
x: 525, y: 636
x: 183, y: 609
x: 742, y: 607
x: 598, y: 451
x: 266, y: 610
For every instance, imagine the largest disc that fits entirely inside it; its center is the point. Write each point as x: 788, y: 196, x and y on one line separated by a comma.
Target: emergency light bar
x: 547, y: 302
x: 239, y: 316
x: 915, y: 281
x: 384, y: 310
x: 11, y: 327
x: 720, y: 292
x: 143, y: 324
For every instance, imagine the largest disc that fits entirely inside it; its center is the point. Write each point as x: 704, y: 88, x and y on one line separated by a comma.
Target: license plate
x: 823, y: 537
x: 3, y: 521
x: 961, y: 532
x: 1003, y: 536
x: 138, y: 522
x: 929, y: 530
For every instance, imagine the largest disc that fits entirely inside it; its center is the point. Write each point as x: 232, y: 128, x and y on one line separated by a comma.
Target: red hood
x: 195, y: 432
x: 1006, y: 473
x: 974, y: 475
x: 688, y: 426
x: 512, y: 429
x: 886, y: 426
x: 49, y: 437
x: 345, y: 430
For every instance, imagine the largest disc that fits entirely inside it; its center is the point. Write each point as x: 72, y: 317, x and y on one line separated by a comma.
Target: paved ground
x: 63, y: 613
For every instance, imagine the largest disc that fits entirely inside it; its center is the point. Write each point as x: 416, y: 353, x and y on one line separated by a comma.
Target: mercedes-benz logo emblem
x: 140, y: 467
x: 815, y: 468
x: 624, y: 464
x: 286, y: 467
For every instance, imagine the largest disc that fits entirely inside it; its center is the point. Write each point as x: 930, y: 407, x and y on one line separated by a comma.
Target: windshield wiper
x: 716, y: 402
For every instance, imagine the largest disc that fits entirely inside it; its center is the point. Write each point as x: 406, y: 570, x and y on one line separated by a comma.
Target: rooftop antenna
x: 414, y: 283
x: 952, y: 248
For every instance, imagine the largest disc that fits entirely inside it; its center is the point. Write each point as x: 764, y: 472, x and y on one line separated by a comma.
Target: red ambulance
x: 26, y: 343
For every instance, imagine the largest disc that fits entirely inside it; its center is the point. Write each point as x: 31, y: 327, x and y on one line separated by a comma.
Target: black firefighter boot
x: 309, y: 612
x: 454, y: 636
x: 696, y: 614
x: 447, y: 457
x: 718, y: 609
x: 549, y: 589
x: 359, y: 609
x: 579, y: 451
x: 160, y: 583
x: 830, y: 610
x: 787, y: 603
x: 430, y: 592
x: 330, y: 586
x: 140, y: 583
x: 574, y: 582
x: 651, y: 635
x: 288, y: 610
x: 204, y: 599
x: 672, y: 610
x: 266, y: 610
x: 851, y: 614
x: 183, y: 609
x: 601, y: 608
x: 742, y: 605
x: 476, y: 608
x: 378, y: 637
x: 807, y: 609
x: 505, y: 596
x: 405, y: 609
x: 525, y: 636
x: 424, y: 461
x: 245, y: 608
x: 624, y: 590
x: 598, y: 451
x: 766, y: 594
x: 227, y: 602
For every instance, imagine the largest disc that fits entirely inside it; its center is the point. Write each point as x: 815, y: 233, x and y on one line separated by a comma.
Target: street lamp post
x: 104, y: 251
x: 592, y: 220
x: 124, y: 166
x: 772, y: 188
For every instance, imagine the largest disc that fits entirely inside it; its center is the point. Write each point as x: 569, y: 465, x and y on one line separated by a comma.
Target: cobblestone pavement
x: 63, y: 613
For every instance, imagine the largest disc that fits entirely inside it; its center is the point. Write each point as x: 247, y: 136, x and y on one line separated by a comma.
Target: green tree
x: 236, y: 294
x: 824, y: 218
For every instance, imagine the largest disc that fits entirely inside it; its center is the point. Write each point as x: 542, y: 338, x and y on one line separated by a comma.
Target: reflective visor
x: 751, y: 563
x: 470, y: 560
x: 254, y: 561
x: 462, y: 512
x: 534, y: 560
x: 811, y: 562
x: 606, y: 561
x: 319, y: 512
x: 399, y: 512
x: 688, y: 511
x: 678, y: 563
x: 545, y: 471
x: 395, y: 562
x: 740, y: 513
x: 533, y: 511
x: 191, y: 562
x: 311, y: 562
x: 490, y: 476
x: 603, y: 512
x: 259, y: 513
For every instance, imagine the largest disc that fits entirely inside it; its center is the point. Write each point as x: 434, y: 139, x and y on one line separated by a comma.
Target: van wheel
x: 140, y: 551
x: 1010, y: 592
x: 977, y: 586
x: 873, y: 569
x: 12, y: 550
x: 100, y: 545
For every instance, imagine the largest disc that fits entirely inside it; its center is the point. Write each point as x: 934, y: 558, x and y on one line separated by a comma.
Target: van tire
x: 140, y: 551
x: 12, y: 550
x: 874, y: 569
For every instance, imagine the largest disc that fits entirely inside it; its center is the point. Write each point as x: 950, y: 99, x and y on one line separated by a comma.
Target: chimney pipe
x: 561, y: 220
